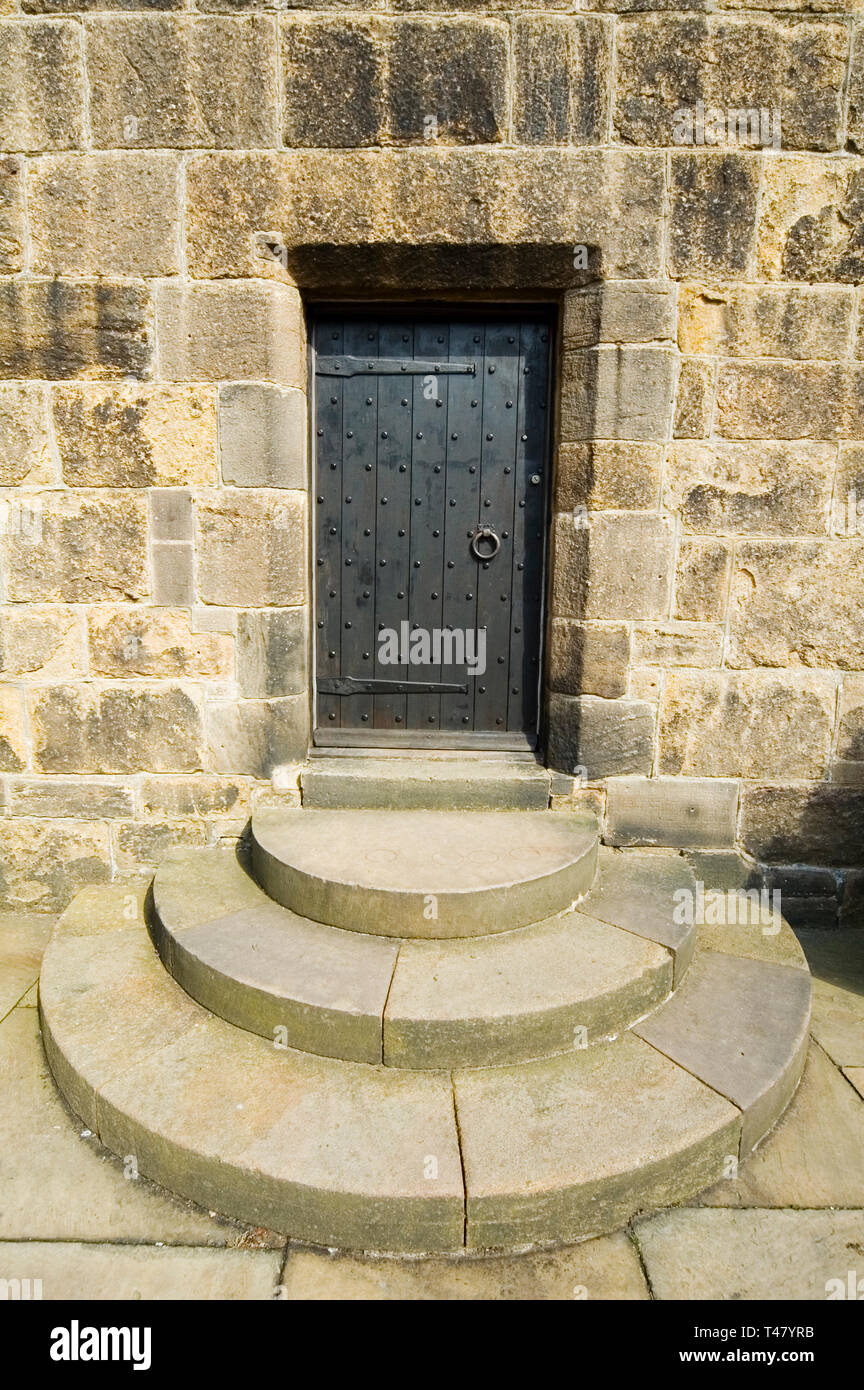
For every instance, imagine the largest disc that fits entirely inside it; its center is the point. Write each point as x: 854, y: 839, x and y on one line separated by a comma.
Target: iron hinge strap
x: 389, y: 366
x: 354, y: 685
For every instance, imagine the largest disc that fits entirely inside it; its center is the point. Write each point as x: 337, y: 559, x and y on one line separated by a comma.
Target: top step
x: 464, y: 782
x: 424, y: 873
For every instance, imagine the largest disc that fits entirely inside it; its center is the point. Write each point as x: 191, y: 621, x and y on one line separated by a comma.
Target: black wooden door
x: 430, y: 439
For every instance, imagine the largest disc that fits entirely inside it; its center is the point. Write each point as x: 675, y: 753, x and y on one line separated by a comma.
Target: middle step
x: 566, y: 981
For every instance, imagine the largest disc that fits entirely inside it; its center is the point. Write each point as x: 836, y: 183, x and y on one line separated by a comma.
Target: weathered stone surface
x: 333, y: 80
x: 80, y: 550
x: 12, y: 217
x: 713, y: 219
x: 702, y: 580
x: 23, y: 938
x: 617, y: 393
x: 253, y: 737
x: 171, y: 515
x: 79, y: 209
x: 138, y: 846
x: 230, y: 331
x: 678, y: 644
x: 25, y: 442
x: 47, y: 644
x: 855, y: 111
x: 667, y: 64
x: 616, y: 567
x: 694, y: 401
x: 817, y: 823
x: 13, y: 730
x: 77, y: 729
x: 810, y: 220
x: 74, y: 1270
x: 173, y: 564
x: 619, y: 312
x: 41, y: 81
x: 837, y: 967
x: 671, y: 811
x: 43, y: 862
x: 768, y: 321
x: 847, y: 517
x: 848, y: 767
x: 271, y: 652
x: 608, y: 473
x: 461, y: 783
x: 562, y: 79
x: 57, y: 329
x: 587, y: 659
x: 739, y: 489
x: 454, y: 71
x: 154, y: 642
x: 134, y: 436
x: 635, y: 890
x: 77, y: 798
x: 179, y: 798
x: 159, y: 80
x: 251, y: 549
x: 726, y: 723
x: 600, y: 738
x: 262, y: 436
x: 797, y: 602
x: 790, y: 400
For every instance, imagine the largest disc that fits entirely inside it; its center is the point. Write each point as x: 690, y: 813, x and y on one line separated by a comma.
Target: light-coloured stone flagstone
x: 856, y: 1076
x: 23, y: 937
x: 836, y: 960
x: 71, y: 1271
x: 636, y: 891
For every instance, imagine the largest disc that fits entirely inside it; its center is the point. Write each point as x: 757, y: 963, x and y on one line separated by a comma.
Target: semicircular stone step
x: 424, y: 873
x: 476, y: 1001
x: 381, y: 1159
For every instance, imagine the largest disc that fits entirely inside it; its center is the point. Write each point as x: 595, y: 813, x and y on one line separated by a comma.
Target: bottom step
x: 365, y: 1157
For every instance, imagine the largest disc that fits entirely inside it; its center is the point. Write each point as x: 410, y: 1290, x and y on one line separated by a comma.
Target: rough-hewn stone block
x: 454, y: 71
x: 25, y: 442
x: 41, y: 85
x: 619, y: 312
x: 817, y: 823
x: 45, y: 643
x: 797, y: 603
x: 138, y: 846
x: 769, y: 321
x: 271, y: 652
x: 262, y: 436
x: 742, y: 489
x: 621, y: 476
x: 171, y: 515
x: 561, y: 79
x: 132, y: 436
x: 12, y: 218
x: 678, y: 644
x: 667, y: 64
x: 333, y: 75
x: 84, y: 549
x: 702, y: 580
x: 729, y: 723
x: 226, y: 332
x: 600, y: 738
x: 43, y: 863
x: 79, y: 729
x: 810, y: 221
x: 169, y: 81
x: 684, y: 813
x: 251, y: 550
x: 848, y: 767
x: 694, y: 401
x: 587, y: 659
x: 618, y: 567
x: 13, y: 730
x: 57, y: 329
x: 255, y: 736
x: 790, y: 400
x: 179, y: 798
x: 104, y: 214
x: 75, y: 798
x: 855, y: 112
x: 617, y: 393
x: 154, y: 642
x: 173, y: 565
x: 713, y: 217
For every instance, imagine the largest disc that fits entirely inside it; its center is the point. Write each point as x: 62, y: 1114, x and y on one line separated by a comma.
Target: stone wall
x: 705, y: 655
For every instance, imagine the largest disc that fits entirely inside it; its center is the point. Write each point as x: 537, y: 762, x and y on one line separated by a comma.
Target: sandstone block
x: 104, y: 214
x: 678, y: 644
x: 56, y: 329
x: 562, y: 79
x: 619, y: 312
x: 155, y: 642
x: 713, y: 213
x: 252, y: 737
x: 621, y: 476
x: 702, y: 580
x: 333, y: 81
x: 44, y: 643
x: 42, y: 85
x: 587, y: 659
x: 797, y: 603
x: 133, y: 436
x: 43, y: 863
x: 262, y: 436
x: 173, y: 564
x: 13, y: 730
x: 768, y: 321
x: 12, y: 218
x: 25, y: 441
x: 741, y: 489
x: 454, y: 71
x: 183, y: 798
x: 680, y: 812
x: 231, y: 331
x: 729, y: 723
x: 171, y: 515
x: 80, y: 729
x: 790, y: 400
x: 161, y: 80
x: 810, y: 222
x: 694, y: 401
x: 600, y: 738
x: 251, y: 549
x: 80, y: 551
x: 142, y: 846
x: 849, y: 752
x: 69, y: 798
x: 617, y: 393
x: 618, y: 567
x: 785, y: 825
x: 271, y: 652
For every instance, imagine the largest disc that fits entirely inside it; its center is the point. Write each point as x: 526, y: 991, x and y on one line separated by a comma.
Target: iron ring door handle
x: 487, y: 536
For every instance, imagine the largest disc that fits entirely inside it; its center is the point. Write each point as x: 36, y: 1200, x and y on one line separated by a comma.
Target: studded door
x: 430, y: 441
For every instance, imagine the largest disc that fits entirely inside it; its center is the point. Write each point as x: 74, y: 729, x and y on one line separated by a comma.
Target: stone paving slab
x: 71, y: 1270
x: 413, y: 783
x: 195, y: 886
x: 814, y: 1157
x: 836, y: 961
x: 606, y: 1268
x: 23, y: 938
x: 636, y: 891
x: 56, y: 1185
x: 749, y: 940
x: 856, y: 1076
x: 726, y: 1254
x: 740, y: 1025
